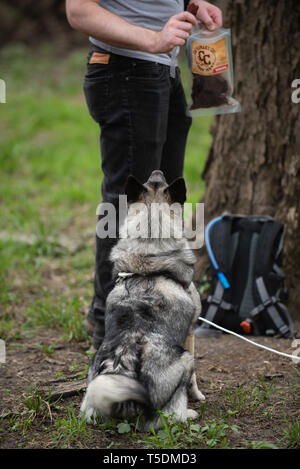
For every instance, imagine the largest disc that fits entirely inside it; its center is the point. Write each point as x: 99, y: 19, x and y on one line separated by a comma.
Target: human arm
x: 90, y: 18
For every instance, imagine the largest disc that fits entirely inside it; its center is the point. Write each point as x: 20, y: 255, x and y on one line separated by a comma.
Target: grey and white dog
x: 146, y: 361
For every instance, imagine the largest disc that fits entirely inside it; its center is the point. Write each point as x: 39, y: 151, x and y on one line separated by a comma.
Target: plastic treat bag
x: 210, y: 63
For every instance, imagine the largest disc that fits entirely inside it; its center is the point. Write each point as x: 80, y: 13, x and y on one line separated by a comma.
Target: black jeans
x: 142, y: 114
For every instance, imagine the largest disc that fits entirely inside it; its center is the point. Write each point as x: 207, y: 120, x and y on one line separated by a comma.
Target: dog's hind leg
x: 178, y: 401
x: 193, y: 391
x: 178, y: 405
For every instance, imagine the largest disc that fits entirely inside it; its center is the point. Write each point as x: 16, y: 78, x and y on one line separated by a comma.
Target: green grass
x: 37, y: 404
x: 49, y: 144
x: 261, y: 445
x: 246, y: 401
x: 291, y: 433
x: 211, y: 434
x: 58, y: 313
x: 71, y: 431
x: 176, y: 435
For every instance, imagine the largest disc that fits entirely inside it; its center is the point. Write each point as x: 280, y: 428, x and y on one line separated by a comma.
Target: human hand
x: 175, y: 32
x: 210, y: 15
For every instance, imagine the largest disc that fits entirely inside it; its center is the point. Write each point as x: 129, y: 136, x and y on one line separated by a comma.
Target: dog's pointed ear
x: 133, y: 188
x: 177, y: 191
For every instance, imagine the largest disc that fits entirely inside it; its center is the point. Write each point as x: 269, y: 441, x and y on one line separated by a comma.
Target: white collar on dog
x: 125, y: 274
x: 131, y: 274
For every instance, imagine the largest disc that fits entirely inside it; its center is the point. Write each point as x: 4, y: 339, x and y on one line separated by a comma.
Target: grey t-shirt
x: 152, y: 14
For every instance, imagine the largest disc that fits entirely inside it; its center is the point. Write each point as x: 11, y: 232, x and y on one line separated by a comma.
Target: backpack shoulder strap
x: 268, y: 247
x: 270, y: 305
x: 265, y: 252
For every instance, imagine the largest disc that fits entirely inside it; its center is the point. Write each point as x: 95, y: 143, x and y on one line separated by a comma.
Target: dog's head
x: 155, y: 207
x: 152, y: 236
x: 155, y: 190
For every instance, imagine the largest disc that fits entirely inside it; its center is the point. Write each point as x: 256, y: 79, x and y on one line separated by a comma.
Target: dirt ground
x: 224, y: 365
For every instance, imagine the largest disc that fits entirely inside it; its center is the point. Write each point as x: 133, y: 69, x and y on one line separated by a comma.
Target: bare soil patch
x: 224, y: 366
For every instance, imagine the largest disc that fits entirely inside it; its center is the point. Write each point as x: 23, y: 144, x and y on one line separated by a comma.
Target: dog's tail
x: 106, y: 390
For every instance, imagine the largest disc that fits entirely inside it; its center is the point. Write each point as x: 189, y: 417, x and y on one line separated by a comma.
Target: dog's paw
x: 192, y: 414
x: 197, y: 395
x: 193, y: 390
x: 88, y: 412
x: 194, y: 393
x: 90, y: 415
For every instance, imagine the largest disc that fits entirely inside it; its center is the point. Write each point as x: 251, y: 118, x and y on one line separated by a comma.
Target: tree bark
x: 253, y: 165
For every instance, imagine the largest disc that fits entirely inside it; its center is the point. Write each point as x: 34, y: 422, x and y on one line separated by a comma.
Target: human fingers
x: 210, y: 15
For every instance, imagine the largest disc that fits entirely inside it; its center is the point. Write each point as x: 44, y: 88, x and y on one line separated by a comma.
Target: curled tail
x: 106, y: 390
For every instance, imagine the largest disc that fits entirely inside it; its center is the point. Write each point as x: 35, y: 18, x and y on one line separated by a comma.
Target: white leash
x: 293, y: 357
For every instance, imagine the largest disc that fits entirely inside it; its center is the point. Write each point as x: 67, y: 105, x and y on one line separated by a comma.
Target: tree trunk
x: 254, y: 162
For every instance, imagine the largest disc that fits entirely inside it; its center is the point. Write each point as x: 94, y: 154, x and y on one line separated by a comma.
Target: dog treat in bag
x: 210, y: 63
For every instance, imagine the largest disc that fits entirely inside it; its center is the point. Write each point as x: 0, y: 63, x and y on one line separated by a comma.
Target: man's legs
x: 179, y: 123
x: 141, y: 111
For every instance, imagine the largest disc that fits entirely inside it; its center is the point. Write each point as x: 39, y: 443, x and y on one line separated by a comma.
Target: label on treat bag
x: 209, y: 59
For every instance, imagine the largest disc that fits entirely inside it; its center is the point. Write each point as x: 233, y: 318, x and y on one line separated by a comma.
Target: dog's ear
x: 177, y: 191
x: 133, y: 189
